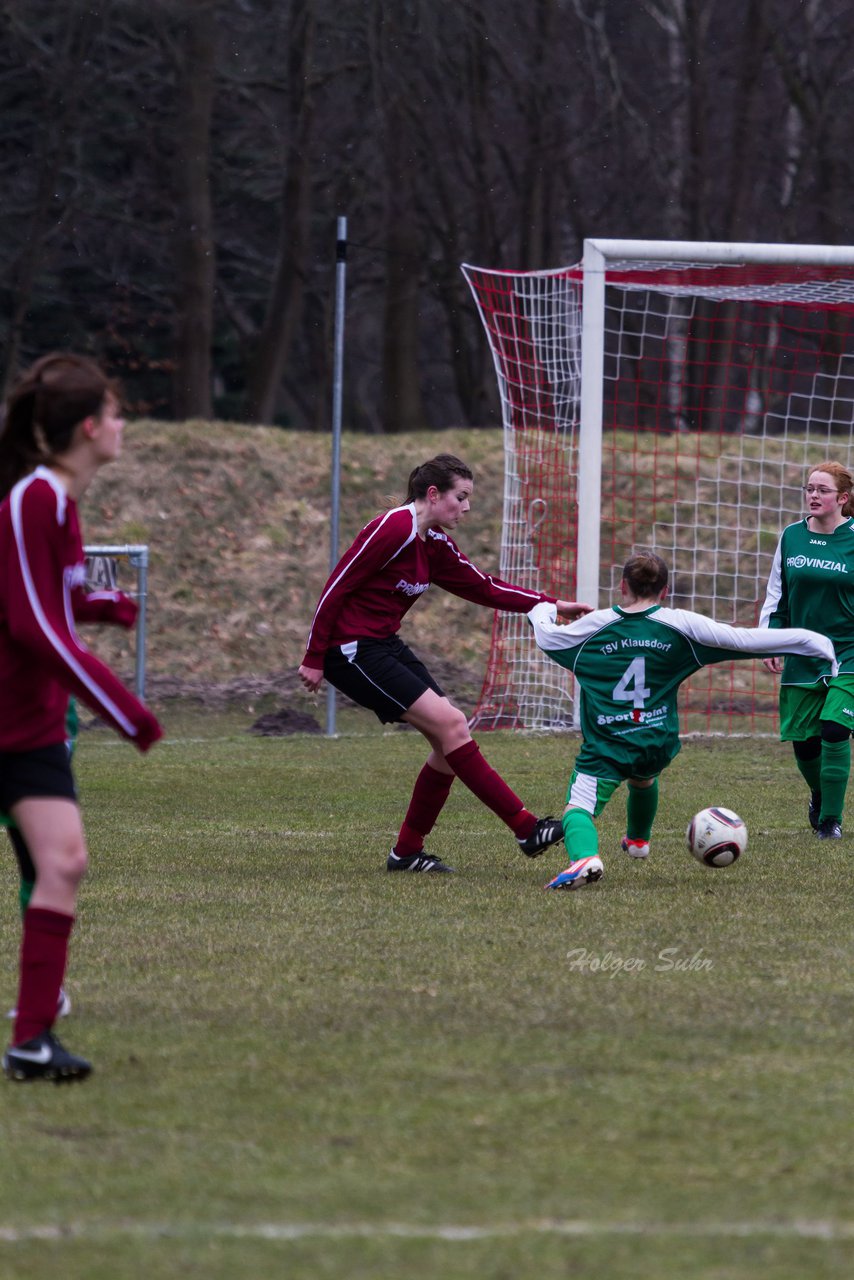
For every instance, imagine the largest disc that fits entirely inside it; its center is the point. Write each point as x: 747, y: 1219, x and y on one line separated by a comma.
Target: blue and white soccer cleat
x: 578, y: 874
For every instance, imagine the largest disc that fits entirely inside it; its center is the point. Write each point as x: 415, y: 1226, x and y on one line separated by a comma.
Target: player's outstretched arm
x: 112, y: 607
x: 569, y: 610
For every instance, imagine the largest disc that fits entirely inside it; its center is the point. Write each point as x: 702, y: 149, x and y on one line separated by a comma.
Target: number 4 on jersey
x: 631, y: 686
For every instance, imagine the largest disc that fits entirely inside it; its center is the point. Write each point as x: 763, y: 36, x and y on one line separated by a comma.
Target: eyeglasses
x: 821, y: 489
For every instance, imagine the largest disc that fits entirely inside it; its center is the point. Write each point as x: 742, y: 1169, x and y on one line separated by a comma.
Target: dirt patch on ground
x: 461, y: 684
x: 279, y: 724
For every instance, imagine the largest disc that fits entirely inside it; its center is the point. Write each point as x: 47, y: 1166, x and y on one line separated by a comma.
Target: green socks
x: 580, y: 835
x: 25, y: 892
x: 835, y: 768
x: 810, y: 770
x: 641, y: 808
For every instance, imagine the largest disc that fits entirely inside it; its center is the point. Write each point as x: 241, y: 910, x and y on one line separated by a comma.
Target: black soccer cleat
x: 814, y: 811
x: 422, y: 861
x: 829, y: 829
x: 44, y: 1058
x: 547, y: 832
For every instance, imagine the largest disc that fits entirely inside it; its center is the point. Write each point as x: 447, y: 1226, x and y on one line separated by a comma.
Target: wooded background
x: 171, y: 174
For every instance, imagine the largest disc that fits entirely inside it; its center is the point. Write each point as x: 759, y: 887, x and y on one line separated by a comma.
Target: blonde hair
x: 843, y: 480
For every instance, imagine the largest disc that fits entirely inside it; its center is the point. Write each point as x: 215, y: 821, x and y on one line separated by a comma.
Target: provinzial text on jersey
x: 810, y: 562
x: 412, y: 588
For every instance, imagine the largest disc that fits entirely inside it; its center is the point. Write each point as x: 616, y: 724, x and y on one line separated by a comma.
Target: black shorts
x: 383, y: 675
x: 45, y: 772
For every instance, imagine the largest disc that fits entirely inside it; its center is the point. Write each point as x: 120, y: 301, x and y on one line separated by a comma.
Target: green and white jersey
x: 629, y: 667
x: 811, y: 584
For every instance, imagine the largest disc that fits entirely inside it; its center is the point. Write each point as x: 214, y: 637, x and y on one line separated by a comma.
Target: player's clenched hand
x: 148, y: 731
x: 569, y: 610
x: 311, y: 677
x: 774, y: 665
x: 124, y: 611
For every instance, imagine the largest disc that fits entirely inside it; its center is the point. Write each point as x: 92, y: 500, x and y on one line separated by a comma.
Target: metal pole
x: 141, y: 561
x: 590, y: 436
x: 137, y: 557
x: 337, y: 386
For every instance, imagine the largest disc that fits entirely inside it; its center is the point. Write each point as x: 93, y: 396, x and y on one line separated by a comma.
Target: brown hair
x: 443, y: 471
x: 645, y: 575
x: 44, y: 406
x: 843, y: 480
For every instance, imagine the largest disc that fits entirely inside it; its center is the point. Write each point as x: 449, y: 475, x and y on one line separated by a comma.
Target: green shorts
x: 803, y: 709
x: 621, y: 763
x: 590, y: 793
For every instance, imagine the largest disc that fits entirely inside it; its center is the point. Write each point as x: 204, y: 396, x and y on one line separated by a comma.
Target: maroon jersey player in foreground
x: 62, y: 424
x: 354, y: 643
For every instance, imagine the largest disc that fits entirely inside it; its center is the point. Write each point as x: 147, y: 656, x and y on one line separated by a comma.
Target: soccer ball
x: 717, y: 837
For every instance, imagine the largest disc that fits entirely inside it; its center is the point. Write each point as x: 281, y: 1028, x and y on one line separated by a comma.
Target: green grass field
x: 307, y: 1068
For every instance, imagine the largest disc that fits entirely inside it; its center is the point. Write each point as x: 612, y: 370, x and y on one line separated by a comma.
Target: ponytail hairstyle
x: 443, y: 471
x: 44, y: 406
x: 645, y: 575
x: 843, y: 480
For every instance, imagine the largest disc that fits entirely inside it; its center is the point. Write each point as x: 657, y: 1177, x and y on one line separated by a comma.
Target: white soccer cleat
x: 635, y: 848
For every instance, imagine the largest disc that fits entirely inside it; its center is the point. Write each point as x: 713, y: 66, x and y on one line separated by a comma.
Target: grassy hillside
x: 237, y: 519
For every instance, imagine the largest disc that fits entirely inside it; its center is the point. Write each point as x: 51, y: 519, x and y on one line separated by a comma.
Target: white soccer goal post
x: 102, y: 574
x: 668, y: 395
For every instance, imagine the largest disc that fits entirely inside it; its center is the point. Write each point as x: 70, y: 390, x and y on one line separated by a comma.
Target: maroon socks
x: 44, y: 950
x: 490, y: 788
x: 428, y: 798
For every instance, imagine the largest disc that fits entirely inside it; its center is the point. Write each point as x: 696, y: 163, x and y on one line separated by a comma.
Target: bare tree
x: 283, y: 309
x: 393, y: 52
x: 57, y: 53
x: 180, y: 220
x: 195, y: 262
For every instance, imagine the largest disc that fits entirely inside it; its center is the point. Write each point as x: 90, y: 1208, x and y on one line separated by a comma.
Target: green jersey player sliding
x: 629, y: 661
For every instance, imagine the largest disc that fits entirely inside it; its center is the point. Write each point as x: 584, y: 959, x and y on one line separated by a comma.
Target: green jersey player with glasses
x: 629, y: 661
x: 812, y: 585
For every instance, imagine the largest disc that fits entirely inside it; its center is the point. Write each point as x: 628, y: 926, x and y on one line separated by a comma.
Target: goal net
x: 104, y: 565
x: 663, y: 396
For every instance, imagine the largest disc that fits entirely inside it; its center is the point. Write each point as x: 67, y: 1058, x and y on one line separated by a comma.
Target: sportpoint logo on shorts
x: 811, y: 562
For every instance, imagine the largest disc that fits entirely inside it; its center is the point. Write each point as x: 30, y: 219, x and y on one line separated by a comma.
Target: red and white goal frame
x: 667, y: 395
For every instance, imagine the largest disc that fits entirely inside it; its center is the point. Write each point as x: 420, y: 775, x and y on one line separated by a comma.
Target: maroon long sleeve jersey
x: 42, y: 659
x: 386, y: 570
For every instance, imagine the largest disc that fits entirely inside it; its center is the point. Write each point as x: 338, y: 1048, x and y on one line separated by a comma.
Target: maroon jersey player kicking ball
x: 354, y: 643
